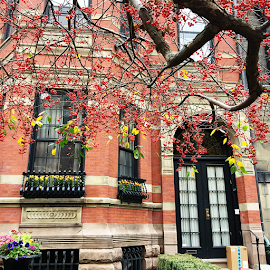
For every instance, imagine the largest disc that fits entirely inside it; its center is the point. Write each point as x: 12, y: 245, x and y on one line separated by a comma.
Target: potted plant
x: 17, y: 250
x: 131, y: 191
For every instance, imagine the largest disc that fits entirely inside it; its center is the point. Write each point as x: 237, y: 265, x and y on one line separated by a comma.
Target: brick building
x: 104, y: 227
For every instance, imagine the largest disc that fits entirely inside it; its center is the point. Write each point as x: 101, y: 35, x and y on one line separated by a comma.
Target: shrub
x: 183, y: 262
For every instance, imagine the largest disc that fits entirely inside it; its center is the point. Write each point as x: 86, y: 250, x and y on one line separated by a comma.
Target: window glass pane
x: 66, y: 158
x: 188, y: 209
x: 218, y: 206
x: 127, y: 165
x: 189, y: 29
x: 82, y: 3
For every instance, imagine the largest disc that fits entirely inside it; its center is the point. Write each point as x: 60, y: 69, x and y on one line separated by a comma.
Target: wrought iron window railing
x: 131, y: 189
x: 132, y: 258
x: 53, y: 185
x: 56, y: 259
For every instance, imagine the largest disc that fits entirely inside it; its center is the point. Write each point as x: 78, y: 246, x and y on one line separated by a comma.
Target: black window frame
x: 8, y: 28
x: 33, y: 147
x: 180, y: 45
x: 64, y: 13
x: 128, y: 152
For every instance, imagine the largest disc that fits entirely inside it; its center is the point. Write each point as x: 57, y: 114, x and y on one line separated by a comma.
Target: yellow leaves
x: 37, y: 122
x: 76, y: 129
x: 193, y: 174
x: 127, y: 145
x: 135, y: 131
x: 41, y: 113
x: 234, y: 146
x: 184, y: 73
x: 21, y: 141
x: 169, y: 117
x: 54, y: 151
x: 39, y: 118
x: 231, y: 161
x: 244, y: 143
x: 12, y: 111
x: 240, y: 164
x: 225, y: 140
x: 69, y: 122
x: 87, y: 127
x: 213, y: 131
x: 13, y: 117
x: 78, y: 56
x: 125, y: 128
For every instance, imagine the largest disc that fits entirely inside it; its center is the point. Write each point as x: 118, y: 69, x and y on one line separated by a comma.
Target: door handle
x: 207, y: 214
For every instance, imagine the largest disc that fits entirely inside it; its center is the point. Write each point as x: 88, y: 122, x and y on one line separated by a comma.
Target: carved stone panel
x: 51, y: 215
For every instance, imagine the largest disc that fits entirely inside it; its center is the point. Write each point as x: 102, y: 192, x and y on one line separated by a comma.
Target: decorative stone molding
x: 170, y: 239
x: 51, y: 215
x: 64, y: 214
x: 167, y: 164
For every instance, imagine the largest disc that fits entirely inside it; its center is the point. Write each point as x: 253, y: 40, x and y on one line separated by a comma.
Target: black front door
x: 207, y: 208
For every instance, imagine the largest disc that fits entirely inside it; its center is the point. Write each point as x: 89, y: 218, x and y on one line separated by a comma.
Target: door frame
x: 204, y: 251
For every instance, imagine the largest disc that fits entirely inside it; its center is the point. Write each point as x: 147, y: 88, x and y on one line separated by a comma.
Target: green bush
x: 183, y: 262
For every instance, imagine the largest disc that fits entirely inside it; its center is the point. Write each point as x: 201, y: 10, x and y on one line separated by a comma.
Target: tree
x: 112, y: 55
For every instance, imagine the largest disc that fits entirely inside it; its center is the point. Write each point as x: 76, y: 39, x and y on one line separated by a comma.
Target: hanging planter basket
x: 22, y: 263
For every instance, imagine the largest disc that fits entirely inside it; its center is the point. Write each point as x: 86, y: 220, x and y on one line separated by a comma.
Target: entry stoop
x: 222, y: 262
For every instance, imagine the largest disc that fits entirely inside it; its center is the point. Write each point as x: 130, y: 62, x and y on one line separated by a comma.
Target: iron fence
x: 132, y: 258
x: 131, y: 189
x: 56, y: 260
x: 49, y: 185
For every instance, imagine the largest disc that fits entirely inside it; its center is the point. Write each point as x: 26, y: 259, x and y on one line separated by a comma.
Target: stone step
x: 221, y: 262
x: 263, y: 267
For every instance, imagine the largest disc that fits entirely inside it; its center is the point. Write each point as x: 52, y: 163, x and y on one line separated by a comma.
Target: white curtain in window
x: 188, y: 209
x: 218, y: 206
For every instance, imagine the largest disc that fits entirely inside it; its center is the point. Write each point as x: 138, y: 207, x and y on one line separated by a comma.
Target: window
x: 189, y: 29
x: 124, y: 26
x: 8, y: 28
x: 127, y: 164
x: 65, y: 5
x: 66, y: 157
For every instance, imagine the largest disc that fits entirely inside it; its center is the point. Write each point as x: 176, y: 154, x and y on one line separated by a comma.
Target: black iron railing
x: 53, y: 185
x: 131, y: 189
x: 132, y: 258
x: 56, y: 259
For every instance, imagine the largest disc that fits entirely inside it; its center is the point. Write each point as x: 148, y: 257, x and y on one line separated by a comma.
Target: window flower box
x: 131, y: 190
x: 53, y: 185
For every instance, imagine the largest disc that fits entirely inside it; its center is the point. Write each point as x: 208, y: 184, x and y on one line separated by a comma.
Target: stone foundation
x: 110, y: 259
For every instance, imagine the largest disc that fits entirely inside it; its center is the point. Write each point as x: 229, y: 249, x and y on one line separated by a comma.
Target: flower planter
x: 53, y: 185
x: 22, y: 263
x: 131, y: 196
x: 131, y: 190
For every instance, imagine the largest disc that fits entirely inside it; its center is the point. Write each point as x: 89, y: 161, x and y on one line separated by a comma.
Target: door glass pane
x: 188, y: 209
x: 218, y: 206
